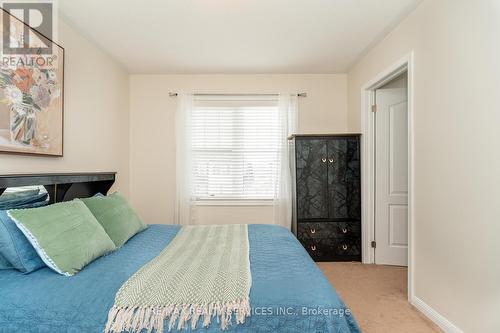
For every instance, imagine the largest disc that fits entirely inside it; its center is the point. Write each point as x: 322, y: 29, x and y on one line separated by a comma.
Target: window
x: 235, y: 149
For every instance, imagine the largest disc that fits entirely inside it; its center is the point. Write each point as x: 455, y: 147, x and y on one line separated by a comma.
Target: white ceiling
x: 235, y: 36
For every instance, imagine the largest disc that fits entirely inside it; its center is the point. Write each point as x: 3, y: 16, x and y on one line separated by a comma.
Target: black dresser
x: 327, y: 195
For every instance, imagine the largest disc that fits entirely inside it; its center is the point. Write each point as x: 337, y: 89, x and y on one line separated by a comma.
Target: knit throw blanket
x: 203, y: 273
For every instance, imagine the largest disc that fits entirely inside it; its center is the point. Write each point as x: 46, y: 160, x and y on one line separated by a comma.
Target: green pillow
x: 66, y: 235
x: 116, y: 217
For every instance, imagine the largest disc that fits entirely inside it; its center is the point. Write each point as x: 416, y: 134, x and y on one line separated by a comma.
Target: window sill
x: 234, y: 202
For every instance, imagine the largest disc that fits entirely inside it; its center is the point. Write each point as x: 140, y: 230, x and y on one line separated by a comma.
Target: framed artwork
x: 31, y: 91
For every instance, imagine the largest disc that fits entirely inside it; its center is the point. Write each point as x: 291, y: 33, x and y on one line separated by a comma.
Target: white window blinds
x: 235, y: 149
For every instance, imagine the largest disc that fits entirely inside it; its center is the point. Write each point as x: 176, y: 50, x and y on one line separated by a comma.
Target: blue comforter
x: 289, y: 293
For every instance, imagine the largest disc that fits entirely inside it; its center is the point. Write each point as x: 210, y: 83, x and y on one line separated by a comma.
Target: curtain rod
x: 172, y: 94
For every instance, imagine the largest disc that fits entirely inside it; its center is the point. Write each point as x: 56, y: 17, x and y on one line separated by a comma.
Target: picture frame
x: 31, y: 92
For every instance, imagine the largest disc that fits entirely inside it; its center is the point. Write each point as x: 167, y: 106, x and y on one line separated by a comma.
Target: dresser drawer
x: 347, y: 249
x: 351, y: 230
x: 336, y: 249
x: 319, y: 250
x: 331, y: 241
x: 315, y: 230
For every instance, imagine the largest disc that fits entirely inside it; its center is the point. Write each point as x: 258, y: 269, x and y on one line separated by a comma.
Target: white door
x: 391, y: 173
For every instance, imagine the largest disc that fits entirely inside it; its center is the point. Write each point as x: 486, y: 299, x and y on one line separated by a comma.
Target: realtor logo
x: 35, y: 36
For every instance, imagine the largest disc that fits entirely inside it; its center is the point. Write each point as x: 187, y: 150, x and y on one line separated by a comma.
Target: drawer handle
x: 323, y: 160
x: 330, y: 160
x: 344, y: 230
x: 313, y: 247
x: 313, y: 231
x: 344, y: 247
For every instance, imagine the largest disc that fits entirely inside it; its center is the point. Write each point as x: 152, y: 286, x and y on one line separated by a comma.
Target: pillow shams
x: 66, y: 235
x: 116, y: 217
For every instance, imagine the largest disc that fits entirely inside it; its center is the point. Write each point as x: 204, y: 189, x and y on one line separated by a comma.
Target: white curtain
x: 184, y: 206
x: 282, y: 203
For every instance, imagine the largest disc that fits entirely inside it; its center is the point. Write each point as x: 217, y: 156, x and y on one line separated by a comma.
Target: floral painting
x: 31, y: 101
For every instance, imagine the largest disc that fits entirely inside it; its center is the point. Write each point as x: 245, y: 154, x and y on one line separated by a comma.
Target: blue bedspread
x: 289, y: 293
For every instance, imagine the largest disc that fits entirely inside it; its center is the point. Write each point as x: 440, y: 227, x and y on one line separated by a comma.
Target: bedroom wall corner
x: 96, y: 115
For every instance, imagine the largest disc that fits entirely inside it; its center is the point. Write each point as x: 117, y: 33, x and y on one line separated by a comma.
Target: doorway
x: 403, y: 247
x: 391, y: 172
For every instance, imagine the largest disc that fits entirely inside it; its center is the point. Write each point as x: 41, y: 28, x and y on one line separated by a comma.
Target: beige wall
x: 95, y: 115
x: 152, y: 133
x: 456, y: 46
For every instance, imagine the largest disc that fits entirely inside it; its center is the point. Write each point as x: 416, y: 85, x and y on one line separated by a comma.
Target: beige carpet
x: 377, y: 296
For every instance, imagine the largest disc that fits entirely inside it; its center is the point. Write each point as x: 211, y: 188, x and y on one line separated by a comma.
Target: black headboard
x: 63, y: 186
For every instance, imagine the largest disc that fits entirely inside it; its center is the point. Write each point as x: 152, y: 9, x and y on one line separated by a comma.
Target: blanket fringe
x: 149, y: 318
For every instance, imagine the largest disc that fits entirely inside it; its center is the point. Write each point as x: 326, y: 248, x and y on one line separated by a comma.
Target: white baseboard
x: 435, y: 316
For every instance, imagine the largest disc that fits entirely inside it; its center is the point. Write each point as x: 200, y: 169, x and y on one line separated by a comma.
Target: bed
x: 289, y: 293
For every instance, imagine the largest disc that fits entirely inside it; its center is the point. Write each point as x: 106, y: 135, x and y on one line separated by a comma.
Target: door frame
x: 405, y: 64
